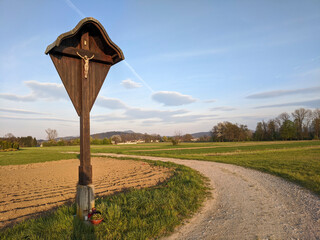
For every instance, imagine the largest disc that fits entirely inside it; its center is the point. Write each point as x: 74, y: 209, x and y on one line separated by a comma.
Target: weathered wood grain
x: 90, y: 40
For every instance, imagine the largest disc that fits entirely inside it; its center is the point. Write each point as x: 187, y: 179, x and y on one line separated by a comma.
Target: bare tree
x: 52, y: 134
x: 316, y: 123
x: 301, y: 116
x: 176, y: 139
x: 282, y: 118
x: 9, y: 136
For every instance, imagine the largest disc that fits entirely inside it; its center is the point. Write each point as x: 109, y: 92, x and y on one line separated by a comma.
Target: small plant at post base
x: 96, y: 216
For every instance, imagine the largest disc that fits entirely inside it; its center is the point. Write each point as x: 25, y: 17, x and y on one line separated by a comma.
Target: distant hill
x: 128, y: 133
x: 110, y: 134
x: 100, y: 135
x: 201, y: 134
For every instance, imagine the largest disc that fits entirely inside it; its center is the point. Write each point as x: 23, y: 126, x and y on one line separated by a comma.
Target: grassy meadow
x: 297, y: 161
x: 149, y: 213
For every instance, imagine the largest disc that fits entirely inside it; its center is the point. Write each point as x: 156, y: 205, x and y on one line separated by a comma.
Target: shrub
x: 175, y: 141
x: 8, y: 145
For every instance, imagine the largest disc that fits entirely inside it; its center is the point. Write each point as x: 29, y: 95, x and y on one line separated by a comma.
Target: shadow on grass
x: 82, y: 230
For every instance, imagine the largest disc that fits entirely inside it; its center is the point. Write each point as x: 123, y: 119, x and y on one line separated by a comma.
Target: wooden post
x: 85, y: 189
x: 85, y: 168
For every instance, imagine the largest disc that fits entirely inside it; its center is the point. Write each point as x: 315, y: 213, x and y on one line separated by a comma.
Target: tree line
x: 302, y: 124
x: 9, y: 141
x: 98, y: 139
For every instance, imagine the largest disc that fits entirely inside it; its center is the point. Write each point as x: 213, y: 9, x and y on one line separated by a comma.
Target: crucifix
x: 83, y: 77
x: 86, y: 64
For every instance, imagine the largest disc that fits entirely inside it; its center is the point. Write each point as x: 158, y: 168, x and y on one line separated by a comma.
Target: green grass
x: 36, y: 155
x: 298, y: 162
x: 149, y: 213
x: 136, y: 214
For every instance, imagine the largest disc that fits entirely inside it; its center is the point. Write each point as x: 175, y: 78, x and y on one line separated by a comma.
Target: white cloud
x: 129, y: 84
x: 111, y: 103
x: 153, y: 117
x: 46, y: 91
x: 172, y: 98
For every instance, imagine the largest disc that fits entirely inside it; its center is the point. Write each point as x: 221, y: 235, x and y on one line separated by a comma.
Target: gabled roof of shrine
x: 89, y: 20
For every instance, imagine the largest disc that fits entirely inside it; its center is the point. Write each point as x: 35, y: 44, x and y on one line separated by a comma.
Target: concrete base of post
x: 84, y: 200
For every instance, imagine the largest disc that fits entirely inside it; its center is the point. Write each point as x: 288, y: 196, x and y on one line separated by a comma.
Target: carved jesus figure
x: 86, y: 64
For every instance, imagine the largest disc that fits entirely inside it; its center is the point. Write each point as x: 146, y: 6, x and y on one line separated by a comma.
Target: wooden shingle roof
x: 117, y: 56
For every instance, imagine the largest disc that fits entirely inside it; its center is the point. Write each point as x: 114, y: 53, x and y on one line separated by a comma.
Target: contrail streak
x: 71, y: 5
x: 138, y: 76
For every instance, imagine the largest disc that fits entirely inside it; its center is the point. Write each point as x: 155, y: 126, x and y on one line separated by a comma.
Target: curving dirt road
x: 248, y: 204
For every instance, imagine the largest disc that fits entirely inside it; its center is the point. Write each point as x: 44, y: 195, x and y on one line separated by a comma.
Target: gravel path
x: 248, y: 204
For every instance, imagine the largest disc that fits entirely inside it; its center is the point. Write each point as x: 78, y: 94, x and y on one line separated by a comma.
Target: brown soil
x: 27, y: 190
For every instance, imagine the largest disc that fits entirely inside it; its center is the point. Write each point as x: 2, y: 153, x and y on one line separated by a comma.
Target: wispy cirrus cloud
x: 280, y: 93
x: 224, y: 109
x: 111, y: 103
x: 18, y: 98
x: 139, y: 113
x: 310, y: 103
x: 191, y: 118
x: 20, y: 111
x: 39, y: 90
x: 150, y: 116
x: 108, y: 117
x: 210, y: 101
x: 130, y: 84
x: 37, y: 119
x: 169, y: 98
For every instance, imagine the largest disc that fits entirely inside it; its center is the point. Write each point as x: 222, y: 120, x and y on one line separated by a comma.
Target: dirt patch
x: 29, y: 189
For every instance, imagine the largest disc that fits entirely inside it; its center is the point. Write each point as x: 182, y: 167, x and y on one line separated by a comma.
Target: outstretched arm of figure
x: 91, y: 57
x: 80, y: 55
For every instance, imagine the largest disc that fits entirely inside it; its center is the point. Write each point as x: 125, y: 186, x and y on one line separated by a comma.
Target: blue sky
x: 189, y: 64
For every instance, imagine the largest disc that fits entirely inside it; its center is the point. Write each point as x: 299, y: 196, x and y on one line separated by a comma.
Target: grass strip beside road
x: 135, y: 214
x: 299, y: 162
